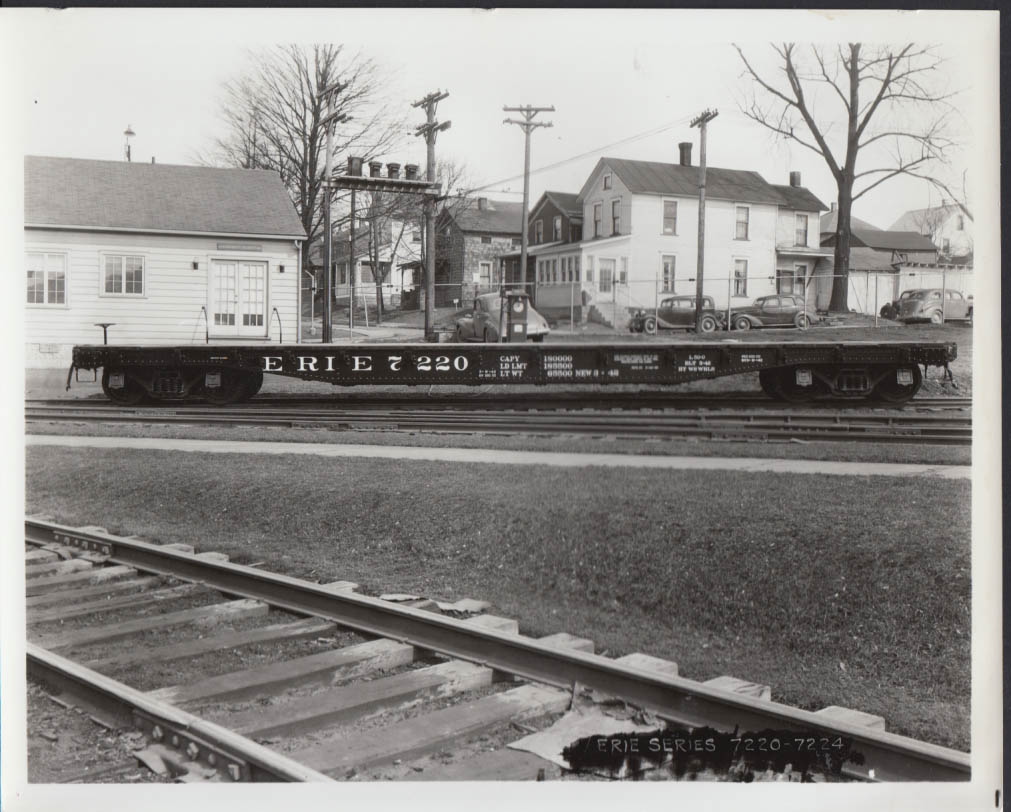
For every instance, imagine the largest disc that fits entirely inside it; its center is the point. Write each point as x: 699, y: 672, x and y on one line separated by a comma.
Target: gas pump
x: 517, y: 302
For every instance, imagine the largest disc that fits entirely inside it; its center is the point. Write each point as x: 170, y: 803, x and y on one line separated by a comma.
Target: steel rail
x: 519, y: 401
x: 230, y: 754
x: 933, y: 429
x: 887, y: 756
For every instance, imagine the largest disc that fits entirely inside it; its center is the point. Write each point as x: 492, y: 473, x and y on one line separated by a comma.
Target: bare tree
x: 389, y: 216
x: 887, y: 98
x: 273, y: 113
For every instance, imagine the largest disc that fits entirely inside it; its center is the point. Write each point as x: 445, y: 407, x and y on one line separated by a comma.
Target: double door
x: 238, y: 298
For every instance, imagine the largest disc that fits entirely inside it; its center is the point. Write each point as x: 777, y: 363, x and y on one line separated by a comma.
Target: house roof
x: 652, y: 177
x: 829, y: 220
x: 892, y: 240
x: 796, y: 197
x: 867, y: 259
x: 498, y: 217
x: 157, y: 197
x: 567, y: 202
x: 915, y: 219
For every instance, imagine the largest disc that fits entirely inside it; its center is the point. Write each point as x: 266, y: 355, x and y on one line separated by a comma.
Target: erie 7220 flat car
x: 888, y: 371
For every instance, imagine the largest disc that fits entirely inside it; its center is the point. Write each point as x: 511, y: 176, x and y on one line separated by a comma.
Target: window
x: 596, y: 219
x: 47, y: 278
x: 743, y: 213
x: 616, y: 216
x: 668, y: 273
x: 554, y: 270
x: 517, y: 242
x: 577, y: 268
x: 123, y: 275
x: 589, y: 269
x: 740, y: 277
x: 484, y: 272
x: 556, y: 228
x: 946, y: 246
x: 607, y: 181
x: 365, y: 274
x: 792, y: 281
x: 623, y: 273
x: 575, y: 232
x: 486, y: 240
x: 416, y: 235
x: 670, y: 217
x: 540, y: 271
x: 801, y: 238
x: 539, y: 231
x: 961, y: 223
x: 344, y: 273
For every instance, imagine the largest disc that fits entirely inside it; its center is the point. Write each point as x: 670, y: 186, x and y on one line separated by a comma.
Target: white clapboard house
x: 163, y: 254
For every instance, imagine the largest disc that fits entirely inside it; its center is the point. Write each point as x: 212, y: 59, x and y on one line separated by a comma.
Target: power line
x: 631, y: 138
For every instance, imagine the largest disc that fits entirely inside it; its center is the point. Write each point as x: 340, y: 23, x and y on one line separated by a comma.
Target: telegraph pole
x: 430, y: 129
x: 329, y: 120
x: 528, y: 125
x: 701, y: 121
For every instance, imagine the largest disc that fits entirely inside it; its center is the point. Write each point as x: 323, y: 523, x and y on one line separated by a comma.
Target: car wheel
x: 801, y: 321
x: 742, y: 323
x: 935, y: 317
x: 708, y: 324
x: 487, y: 337
x: 649, y: 325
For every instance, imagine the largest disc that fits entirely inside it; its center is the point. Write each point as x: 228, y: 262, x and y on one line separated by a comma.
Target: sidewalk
x: 480, y: 455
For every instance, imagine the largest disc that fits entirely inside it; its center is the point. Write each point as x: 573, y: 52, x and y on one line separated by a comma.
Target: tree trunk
x: 840, y: 279
x: 379, y: 299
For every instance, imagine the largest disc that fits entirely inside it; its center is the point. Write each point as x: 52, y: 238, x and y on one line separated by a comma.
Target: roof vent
x: 482, y: 204
x: 795, y: 178
x: 393, y: 170
x: 411, y: 171
x: 685, y: 148
x: 376, y: 169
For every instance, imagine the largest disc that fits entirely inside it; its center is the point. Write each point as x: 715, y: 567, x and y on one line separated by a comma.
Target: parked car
x: 890, y: 310
x: 771, y: 311
x: 676, y: 313
x: 482, y: 323
x: 925, y: 304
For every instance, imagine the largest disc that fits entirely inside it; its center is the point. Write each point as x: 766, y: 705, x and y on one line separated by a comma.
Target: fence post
x: 572, y: 307
x: 943, y: 292
x: 877, y: 278
x: 730, y: 283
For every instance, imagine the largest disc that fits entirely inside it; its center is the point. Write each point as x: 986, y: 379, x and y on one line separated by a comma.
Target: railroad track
x: 340, y: 684
x: 491, y: 401
x: 729, y: 423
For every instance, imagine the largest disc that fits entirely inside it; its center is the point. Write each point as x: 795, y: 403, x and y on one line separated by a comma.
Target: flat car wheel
x: 742, y: 324
x: 252, y: 384
x: 708, y: 324
x: 649, y: 325
x: 231, y: 390
x: 790, y: 391
x: 889, y: 389
x: 129, y: 394
x: 767, y: 379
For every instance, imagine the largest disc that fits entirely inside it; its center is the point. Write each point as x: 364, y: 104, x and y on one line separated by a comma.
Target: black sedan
x: 771, y: 311
x: 676, y: 313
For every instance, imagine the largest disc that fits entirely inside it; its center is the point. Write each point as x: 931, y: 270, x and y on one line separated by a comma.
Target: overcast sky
x: 611, y: 75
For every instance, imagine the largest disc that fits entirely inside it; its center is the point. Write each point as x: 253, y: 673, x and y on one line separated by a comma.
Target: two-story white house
x: 640, y: 237
x: 948, y: 226
x: 164, y: 254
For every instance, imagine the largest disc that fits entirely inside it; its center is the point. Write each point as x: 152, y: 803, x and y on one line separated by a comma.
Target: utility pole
x: 328, y: 121
x: 430, y: 129
x: 528, y: 124
x: 701, y: 121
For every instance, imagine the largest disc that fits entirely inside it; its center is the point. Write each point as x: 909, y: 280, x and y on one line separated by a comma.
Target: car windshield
x: 919, y: 294
x: 906, y: 294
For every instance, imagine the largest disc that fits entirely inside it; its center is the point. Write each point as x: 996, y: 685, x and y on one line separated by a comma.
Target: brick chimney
x: 393, y: 170
x: 795, y: 178
x: 354, y: 166
x: 411, y: 171
x: 376, y: 169
x: 685, y: 148
x: 482, y: 204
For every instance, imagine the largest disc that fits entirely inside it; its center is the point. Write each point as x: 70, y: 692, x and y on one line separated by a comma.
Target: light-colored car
x: 925, y: 305
x: 482, y: 324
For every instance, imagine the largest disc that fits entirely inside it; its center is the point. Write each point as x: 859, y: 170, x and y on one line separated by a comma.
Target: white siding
x: 169, y: 312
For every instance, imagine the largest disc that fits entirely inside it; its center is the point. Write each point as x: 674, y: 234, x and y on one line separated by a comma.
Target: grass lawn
x: 850, y: 592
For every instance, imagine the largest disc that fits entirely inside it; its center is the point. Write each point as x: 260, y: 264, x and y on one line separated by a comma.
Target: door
x: 606, y: 284
x: 238, y: 298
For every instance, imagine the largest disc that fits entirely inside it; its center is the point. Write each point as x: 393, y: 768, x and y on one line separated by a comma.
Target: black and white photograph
x: 724, y: 513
